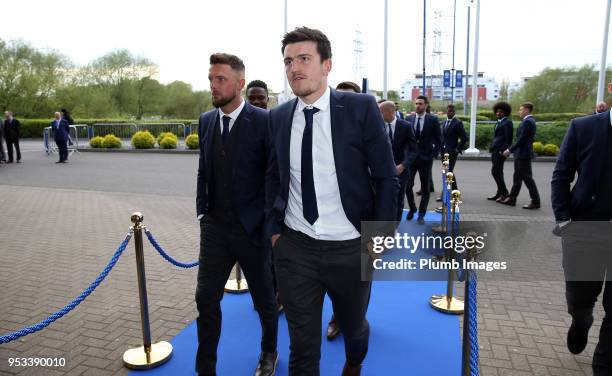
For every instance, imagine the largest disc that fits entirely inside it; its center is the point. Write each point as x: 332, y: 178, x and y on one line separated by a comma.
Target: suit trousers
x: 307, y: 269
x: 522, y: 172
x: 62, y: 147
x: 221, y: 245
x: 497, y: 170
x: 10, y: 142
x: 404, y: 177
x: 423, y: 167
x: 587, y: 263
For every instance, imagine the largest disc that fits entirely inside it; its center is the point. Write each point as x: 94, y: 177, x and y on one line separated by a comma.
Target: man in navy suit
x: 523, y: 154
x: 234, y: 157
x: 404, y: 146
x: 61, y: 132
x: 453, y: 134
x: 429, y: 139
x: 583, y: 214
x: 502, y: 139
x: 333, y: 169
x: 12, y: 132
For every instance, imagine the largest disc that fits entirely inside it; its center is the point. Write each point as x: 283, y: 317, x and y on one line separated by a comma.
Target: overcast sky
x: 518, y: 38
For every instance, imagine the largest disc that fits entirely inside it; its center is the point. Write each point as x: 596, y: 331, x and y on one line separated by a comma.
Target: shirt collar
x: 322, y: 103
x: 393, y: 122
x: 528, y: 116
x: 234, y: 114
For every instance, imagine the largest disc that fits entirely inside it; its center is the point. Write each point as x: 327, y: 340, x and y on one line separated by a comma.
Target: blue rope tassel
x: 167, y: 257
x: 70, y: 306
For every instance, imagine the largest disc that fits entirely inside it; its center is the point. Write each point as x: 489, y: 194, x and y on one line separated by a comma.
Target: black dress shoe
x: 421, y: 220
x: 578, y: 335
x: 410, y: 215
x: 438, y: 210
x: 531, y: 206
x: 501, y: 198
x: 510, y: 201
x: 494, y: 197
x: 439, y: 199
x: 332, y: 328
x: 267, y: 364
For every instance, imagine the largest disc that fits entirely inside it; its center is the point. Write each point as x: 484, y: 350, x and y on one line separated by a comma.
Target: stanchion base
x: 232, y: 286
x: 136, y: 358
x: 441, y: 303
x: 439, y: 230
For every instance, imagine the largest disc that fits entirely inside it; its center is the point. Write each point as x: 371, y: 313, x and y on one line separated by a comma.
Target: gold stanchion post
x: 237, y: 285
x: 448, y: 303
x: 149, y: 355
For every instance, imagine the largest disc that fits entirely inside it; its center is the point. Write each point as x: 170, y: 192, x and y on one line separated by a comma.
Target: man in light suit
x: 429, y: 139
x: 328, y: 147
x: 502, y: 139
x: 234, y: 157
x: 583, y: 214
x: 523, y: 154
x: 404, y: 146
x: 61, y: 132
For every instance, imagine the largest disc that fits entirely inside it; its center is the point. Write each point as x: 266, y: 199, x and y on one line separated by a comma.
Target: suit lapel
x: 337, y: 128
x: 601, y: 142
x: 210, y: 134
x: 284, y: 130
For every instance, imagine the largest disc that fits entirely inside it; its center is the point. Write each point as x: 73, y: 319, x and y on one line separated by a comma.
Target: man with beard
x: 257, y: 94
x: 230, y: 206
x: 328, y: 146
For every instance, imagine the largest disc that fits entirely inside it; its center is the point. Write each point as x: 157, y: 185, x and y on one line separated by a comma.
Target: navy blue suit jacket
x: 362, y: 153
x: 250, y: 162
x: 525, y: 135
x: 502, y: 136
x: 583, y: 151
x: 430, y: 141
x: 451, y: 134
x: 62, y: 132
x: 404, y: 144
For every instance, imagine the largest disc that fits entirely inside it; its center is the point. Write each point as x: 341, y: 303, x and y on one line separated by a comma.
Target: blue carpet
x: 407, y: 336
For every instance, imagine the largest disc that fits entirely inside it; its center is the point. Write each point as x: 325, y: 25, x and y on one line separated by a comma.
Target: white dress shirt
x: 392, y: 126
x: 416, y: 120
x: 332, y: 223
x: 233, y: 116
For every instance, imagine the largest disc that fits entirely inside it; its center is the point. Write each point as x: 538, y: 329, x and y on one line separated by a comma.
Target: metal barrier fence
x: 77, y: 131
x: 127, y: 130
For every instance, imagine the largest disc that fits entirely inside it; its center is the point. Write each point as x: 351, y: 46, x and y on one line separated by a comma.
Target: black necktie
x: 226, y: 121
x: 309, y: 197
x: 390, y: 133
x: 418, y: 128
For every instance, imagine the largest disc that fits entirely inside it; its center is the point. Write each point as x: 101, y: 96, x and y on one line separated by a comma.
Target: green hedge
x: 143, y: 140
x: 545, y: 133
x: 96, y: 142
x: 168, y: 142
x: 111, y: 142
x: 163, y: 135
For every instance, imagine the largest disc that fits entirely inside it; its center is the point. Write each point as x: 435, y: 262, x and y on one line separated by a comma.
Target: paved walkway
x: 62, y: 223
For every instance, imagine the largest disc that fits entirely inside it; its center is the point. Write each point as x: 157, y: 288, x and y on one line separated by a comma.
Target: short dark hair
x: 424, y: 98
x: 503, y: 106
x: 305, y: 34
x: 232, y: 60
x: 257, y: 83
x: 348, y: 85
x: 450, y: 107
x: 528, y: 105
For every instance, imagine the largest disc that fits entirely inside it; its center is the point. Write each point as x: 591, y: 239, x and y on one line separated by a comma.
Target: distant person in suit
x: 257, y: 94
x: 429, y: 139
x: 398, y: 112
x: 2, y: 156
x: 329, y: 146
x: 333, y: 329
x: 66, y: 115
x: 601, y: 107
x: 454, y: 139
x: 230, y: 201
x: 523, y: 154
x: 404, y: 146
x: 583, y: 213
x: 61, y: 131
x: 503, y: 132
x: 12, y: 133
